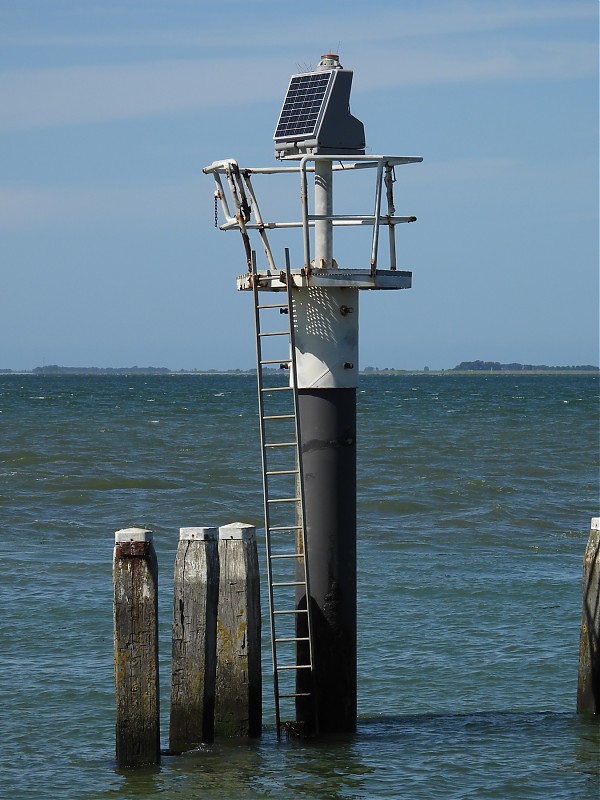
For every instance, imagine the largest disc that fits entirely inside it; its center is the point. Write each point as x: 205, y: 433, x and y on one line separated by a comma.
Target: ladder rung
x: 296, y: 666
x: 281, y: 444
x: 282, y: 472
x: 293, y: 611
x: 288, y: 555
x: 289, y: 583
x: 296, y: 694
x: 285, y: 528
x: 292, y: 639
x: 274, y: 333
x: 277, y: 389
x: 280, y: 416
x: 277, y: 361
x: 272, y: 305
x: 284, y: 500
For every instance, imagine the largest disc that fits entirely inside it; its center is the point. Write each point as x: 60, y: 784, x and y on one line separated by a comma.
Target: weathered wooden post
x: 135, y: 578
x: 238, y: 702
x: 588, y: 684
x: 195, y: 598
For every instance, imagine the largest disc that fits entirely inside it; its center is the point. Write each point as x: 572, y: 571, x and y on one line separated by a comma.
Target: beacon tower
x: 317, y: 142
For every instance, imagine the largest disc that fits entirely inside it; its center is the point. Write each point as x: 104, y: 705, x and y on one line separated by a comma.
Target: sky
x: 109, y: 110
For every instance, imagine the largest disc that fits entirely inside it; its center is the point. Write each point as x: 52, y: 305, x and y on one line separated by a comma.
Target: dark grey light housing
x: 315, y: 117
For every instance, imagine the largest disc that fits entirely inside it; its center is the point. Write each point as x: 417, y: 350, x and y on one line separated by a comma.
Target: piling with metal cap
x: 193, y: 672
x: 588, y: 684
x: 238, y: 698
x: 135, y: 579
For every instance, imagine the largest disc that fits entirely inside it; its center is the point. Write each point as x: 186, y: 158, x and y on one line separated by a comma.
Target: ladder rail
x: 263, y: 453
x: 298, y: 529
x: 300, y: 489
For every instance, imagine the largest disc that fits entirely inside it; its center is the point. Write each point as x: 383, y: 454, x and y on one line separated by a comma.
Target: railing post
x: 377, y: 215
x: 135, y: 579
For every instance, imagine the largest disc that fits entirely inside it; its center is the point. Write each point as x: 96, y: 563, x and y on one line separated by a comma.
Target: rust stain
x: 124, y: 549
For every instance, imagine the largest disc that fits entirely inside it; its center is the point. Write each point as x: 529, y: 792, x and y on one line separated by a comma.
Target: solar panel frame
x: 304, y: 105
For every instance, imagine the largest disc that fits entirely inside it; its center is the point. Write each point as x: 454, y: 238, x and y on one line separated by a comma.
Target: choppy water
x: 475, y: 497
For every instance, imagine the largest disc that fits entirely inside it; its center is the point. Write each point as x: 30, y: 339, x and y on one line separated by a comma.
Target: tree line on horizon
x: 464, y: 366
x: 496, y: 366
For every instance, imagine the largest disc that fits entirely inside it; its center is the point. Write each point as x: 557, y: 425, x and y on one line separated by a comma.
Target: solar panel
x: 303, y: 104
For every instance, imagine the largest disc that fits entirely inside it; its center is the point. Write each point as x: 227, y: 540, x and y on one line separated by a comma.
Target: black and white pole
x: 326, y: 321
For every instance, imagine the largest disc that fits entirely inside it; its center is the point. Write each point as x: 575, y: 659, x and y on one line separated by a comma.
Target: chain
x: 216, y: 210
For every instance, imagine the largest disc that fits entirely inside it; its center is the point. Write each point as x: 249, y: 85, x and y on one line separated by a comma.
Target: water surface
x: 475, y: 497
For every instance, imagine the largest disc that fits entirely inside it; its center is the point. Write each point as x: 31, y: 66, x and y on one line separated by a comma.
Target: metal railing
x: 247, y: 215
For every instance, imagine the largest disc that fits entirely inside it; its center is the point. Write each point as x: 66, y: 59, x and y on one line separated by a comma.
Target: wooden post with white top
x: 238, y: 700
x: 588, y: 684
x: 135, y: 579
x: 195, y: 598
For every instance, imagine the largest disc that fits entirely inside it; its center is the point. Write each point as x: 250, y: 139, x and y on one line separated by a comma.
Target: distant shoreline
x: 552, y: 371
x: 163, y: 371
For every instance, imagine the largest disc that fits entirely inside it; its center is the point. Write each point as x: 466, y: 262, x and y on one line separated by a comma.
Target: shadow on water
x: 483, y: 755
x: 142, y: 782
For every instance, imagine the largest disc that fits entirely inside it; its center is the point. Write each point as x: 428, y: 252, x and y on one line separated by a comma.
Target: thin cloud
x: 502, y: 62
x: 354, y: 26
x: 32, y: 99
x: 160, y: 205
x: 80, y: 95
x: 74, y: 95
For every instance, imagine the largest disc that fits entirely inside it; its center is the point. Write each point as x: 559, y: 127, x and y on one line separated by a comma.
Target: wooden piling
x: 238, y: 701
x: 195, y: 598
x: 135, y: 579
x: 588, y: 684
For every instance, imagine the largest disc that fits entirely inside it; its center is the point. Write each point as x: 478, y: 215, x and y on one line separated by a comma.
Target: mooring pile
x: 588, y: 683
x: 216, y: 682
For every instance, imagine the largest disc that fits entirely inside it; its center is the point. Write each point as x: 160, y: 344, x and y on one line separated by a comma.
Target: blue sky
x: 109, y: 109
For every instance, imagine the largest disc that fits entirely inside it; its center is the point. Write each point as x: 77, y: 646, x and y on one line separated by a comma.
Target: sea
x: 475, y: 495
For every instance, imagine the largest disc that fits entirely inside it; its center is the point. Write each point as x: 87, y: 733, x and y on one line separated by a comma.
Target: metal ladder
x: 292, y: 645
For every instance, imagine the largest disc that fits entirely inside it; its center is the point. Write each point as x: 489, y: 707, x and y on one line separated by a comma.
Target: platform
x: 273, y: 280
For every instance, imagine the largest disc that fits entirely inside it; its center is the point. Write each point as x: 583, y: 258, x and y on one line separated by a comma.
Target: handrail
x: 352, y: 162
x: 338, y: 221
x: 246, y: 204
